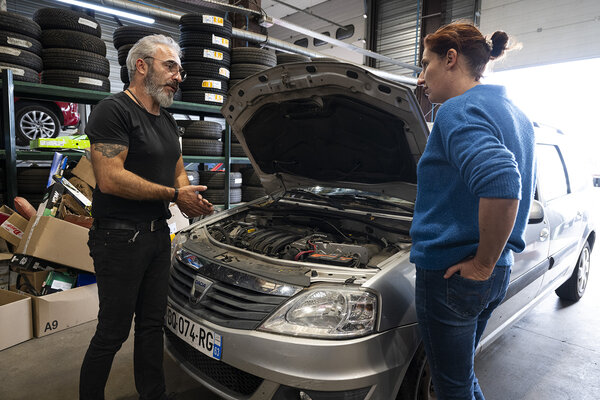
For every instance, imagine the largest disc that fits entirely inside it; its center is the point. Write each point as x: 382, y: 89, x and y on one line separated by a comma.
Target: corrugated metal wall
x: 109, y: 24
x: 398, y: 24
x: 550, y: 31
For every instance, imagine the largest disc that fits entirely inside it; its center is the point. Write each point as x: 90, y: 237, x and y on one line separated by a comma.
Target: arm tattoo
x: 109, y: 150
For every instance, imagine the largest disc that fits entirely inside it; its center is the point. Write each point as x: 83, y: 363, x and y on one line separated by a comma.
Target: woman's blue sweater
x: 481, y: 145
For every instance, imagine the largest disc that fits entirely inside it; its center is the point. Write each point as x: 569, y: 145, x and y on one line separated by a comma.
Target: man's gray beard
x: 156, y: 90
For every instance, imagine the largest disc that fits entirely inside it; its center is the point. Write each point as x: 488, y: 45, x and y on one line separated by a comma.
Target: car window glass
x: 552, y: 181
x: 578, y: 172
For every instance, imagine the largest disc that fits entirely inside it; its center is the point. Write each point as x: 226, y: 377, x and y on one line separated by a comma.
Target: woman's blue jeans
x: 452, y: 314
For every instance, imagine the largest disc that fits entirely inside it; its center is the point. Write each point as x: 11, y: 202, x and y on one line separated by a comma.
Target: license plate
x: 199, y: 337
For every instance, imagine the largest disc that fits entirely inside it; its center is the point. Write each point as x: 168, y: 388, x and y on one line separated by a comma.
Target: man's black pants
x: 132, y: 271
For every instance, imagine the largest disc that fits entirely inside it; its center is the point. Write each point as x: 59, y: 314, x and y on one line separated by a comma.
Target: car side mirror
x: 536, y: 213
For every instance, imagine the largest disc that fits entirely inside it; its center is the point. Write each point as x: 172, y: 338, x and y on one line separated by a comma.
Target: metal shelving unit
x: 10, y: 154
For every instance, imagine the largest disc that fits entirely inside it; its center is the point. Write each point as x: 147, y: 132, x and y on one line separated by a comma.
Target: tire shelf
x: 10, y: 154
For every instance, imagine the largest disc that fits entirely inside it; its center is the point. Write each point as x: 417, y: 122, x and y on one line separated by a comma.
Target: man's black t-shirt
x: 153, y: 151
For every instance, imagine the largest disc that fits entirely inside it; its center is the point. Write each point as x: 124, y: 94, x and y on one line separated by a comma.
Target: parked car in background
x: 42, y: 119
x: 308, y: 293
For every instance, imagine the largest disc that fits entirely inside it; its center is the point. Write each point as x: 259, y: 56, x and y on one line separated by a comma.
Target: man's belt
x: 109, y: 223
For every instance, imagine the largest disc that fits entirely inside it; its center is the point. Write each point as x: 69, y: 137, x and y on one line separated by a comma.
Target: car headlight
x: 177, y: 244
x: 326, y: 312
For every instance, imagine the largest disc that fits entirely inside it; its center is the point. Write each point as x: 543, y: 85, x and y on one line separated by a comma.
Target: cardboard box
x: 57, y: 241
x: 4, y: 270
x: 12, y: 229
x: 84, y: 171
x: 58, y: 311
x: 15, y: 319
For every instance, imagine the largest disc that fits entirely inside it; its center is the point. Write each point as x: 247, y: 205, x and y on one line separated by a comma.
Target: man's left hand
x: 472, y: 269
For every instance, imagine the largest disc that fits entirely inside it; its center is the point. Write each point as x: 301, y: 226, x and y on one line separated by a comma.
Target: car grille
x: 223, y: 304
x: 226, y: 375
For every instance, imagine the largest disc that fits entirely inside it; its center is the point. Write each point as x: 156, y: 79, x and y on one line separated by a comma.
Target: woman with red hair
x: 475, y: 185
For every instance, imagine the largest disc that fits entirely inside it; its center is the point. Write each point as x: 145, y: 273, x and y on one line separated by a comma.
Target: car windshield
x: 344, y: 197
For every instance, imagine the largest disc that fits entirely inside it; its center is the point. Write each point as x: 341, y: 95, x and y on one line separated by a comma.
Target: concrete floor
x: 551, y: 354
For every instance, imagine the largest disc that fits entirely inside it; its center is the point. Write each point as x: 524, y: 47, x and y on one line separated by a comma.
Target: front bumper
x: 259, y: 365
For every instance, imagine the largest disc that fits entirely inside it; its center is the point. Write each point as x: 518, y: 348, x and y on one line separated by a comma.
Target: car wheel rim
x: 37, y: 124
x: 426, y: 391
x: 583, y: 270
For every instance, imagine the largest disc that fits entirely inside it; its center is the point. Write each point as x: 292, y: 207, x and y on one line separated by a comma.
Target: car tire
x: 76, y: 79
x: 285, y: 58
x: 242, y: 71
x: 122, y: 53
x: 203, y: 39
x: 24, y: 58
x: 217, y: 196
x: 65, y: 39
x: 203, y: 83
x: 21, y: 73
x: 203, y: 97
x: 253, y: 55
x: 33, y: 122
x: 201, y: 147
x: 60, y: 18
x: 250, y: 193
x: 216, y: 179
x: 206, y: 54
x: 417, y: 383
x: 78, y: 60
x: 574, y: 288
x: 17, y: 23
x: 129, y: 35
x: 19, y: 41
x: 201, y: 129
x: 237, y: 150
x: 195, y: 22
x: 210, y: 70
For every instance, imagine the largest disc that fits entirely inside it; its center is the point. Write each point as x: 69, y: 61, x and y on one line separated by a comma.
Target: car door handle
x: 544, y: 233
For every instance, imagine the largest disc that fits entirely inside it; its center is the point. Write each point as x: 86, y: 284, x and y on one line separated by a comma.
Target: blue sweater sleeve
x: 477, y: 151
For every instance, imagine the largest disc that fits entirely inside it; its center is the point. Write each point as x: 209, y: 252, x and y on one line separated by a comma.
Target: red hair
x: 468, y: 41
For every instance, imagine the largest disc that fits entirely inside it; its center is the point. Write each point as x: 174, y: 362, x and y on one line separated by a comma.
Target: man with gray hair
x: 139, y: 169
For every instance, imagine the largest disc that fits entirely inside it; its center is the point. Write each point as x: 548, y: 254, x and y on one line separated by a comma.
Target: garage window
x: 345, y: 32
x: 319, y: 42
x: 302, y: 42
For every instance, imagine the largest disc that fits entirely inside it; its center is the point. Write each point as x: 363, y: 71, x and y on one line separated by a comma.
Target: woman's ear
x: 451, y: 58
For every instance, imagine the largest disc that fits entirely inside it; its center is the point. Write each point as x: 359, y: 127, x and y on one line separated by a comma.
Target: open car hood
x: 328, y: 124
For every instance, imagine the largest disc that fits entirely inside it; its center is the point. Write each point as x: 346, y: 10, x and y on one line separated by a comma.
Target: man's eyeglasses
x: 172, y: 66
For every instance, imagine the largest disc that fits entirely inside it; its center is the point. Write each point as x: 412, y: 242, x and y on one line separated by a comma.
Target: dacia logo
x: 199, y: 289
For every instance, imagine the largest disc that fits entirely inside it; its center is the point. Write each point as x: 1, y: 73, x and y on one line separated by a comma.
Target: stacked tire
x: 73, y: 53
x: 205, y: 44
x: 201, y: 138
x: 286, y: 58
x: 20, y: 47
x: 236, y: 147
x: 31, y: 183
x: 124, y: 37
x: 247, y: 61
x: 215, y: 182
x: 252, y: 188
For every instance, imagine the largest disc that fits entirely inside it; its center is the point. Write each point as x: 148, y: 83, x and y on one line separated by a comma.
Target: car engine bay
x: 305, y: 236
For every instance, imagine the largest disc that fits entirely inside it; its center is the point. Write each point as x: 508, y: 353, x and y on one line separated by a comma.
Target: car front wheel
x: 34, y: 122
x: 417, y: 383
x: 574, y: 288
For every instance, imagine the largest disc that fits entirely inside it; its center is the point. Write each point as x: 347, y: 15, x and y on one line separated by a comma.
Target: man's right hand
x: 191, y: 203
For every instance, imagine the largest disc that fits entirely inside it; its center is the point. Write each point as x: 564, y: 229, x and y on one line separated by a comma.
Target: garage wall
x: 550, y: 31
x: 397, y: 28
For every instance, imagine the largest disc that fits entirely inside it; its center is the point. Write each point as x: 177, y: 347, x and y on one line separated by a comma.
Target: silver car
x: 308, y: 293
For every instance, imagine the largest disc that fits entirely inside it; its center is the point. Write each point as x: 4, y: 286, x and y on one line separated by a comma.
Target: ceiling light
x: 107, y: 10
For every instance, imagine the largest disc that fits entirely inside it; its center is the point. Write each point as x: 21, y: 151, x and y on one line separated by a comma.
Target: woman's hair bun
x: 499, y: 44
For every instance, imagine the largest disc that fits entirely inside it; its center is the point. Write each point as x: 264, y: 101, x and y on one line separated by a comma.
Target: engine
x: 301, y: 238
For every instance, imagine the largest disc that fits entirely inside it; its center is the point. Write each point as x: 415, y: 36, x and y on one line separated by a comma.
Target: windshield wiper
x: 376, y: 200
x: 317, y: 196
